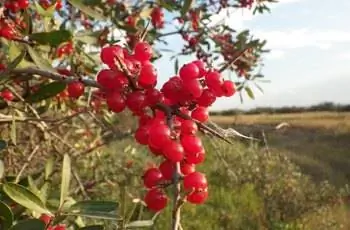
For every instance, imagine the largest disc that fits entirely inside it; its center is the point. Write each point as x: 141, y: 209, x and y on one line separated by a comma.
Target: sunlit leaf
x: 79, y: 4
x: 41, y: 62
x: 186, y: 7
x: 140, y: 224
x: 249, y: 92
x: 66, y: 176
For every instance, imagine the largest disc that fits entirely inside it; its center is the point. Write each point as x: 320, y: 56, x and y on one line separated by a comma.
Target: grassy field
x: 319, y: 142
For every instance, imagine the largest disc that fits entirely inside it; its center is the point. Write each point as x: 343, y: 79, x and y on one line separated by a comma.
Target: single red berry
x: 155, y: 150
x: 58, y: 4
x: 2, y: 67
x: 188, y: 127
x: 228, y: 87
x: 152, y: 177
x: 141, y: 135
x: 195, y: 181
x: 187, y: 168
x: 75, y: 89
x: 154, y: 96
x: 197, y: 197
x: 7, y: 32
x: 45, y: 218
x: 143, y: 51
x: 7, y: 95
x: 201, y: 68
x: 200, y: 113
x: 193, y: 87
x: 105, y: 78
x: 23, y: 4
x: 173, y: 151
x: 191, y: 144
x: 167, y: 168
x: 189, y: 71
x: 120, y: 81
x: 207, y: 98
x: 159, y: 135
x: 136, y: 101
x: 60, y: 227
x: 148, y: 76
x: 155, y: 199
x: 116, y: 102
x: 145, y: 119
x: 195, y: 158
x: 109, y: 53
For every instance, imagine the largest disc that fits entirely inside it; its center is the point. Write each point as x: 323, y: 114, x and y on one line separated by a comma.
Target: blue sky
x: 309, y: 60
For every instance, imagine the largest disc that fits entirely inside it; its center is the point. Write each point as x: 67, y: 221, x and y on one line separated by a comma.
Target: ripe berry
x: 7, y: 95
x: 136, y: 101
x: 167, y: 168
x: 189, y: 71
x: 155, y: 199
x: 194, y: 88
x: 155, y: 150
x: 201, y: 68
x: 159, y: 135
x: 207, y: 98
x: 59, y: 227
x: 197, y: 197
x: 187, y: 168
x: 188, y: 127
x: 195, y: 158
x: 75, y: 89
x: 173, y: 151
x: 23, y: 4
x: 200, y: 113
x: 143, y: 51
x: 154, y: 96
x: 45, y: 218
x: 228, y: 87
x: 141, y: 135
x: 7, y: 32
x: 109, y: 53
x: 105, y: 78
x: 148, y: 76
x: 195, y: 181
x: 116, y: 102
x: 152, y: 177
x: 191, y: 144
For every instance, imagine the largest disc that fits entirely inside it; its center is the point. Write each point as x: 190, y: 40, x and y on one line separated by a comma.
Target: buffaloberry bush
x: 77, y: 76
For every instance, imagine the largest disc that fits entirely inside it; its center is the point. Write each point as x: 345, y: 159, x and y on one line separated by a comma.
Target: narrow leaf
x: 66, y: 175
x: 2, y: 169
x: 176, y: 66
x: 6, y: 216
x: 46, y: 13
x: 95, y: 209
x: 32, y: 224
x: 13, y: 131
x: 140, y: 223
x: 79, y: 4
x: 24, y: 197
x: 186, y: 7
x: 93, y: 227
x: 17, y: 60
x: 249, y: 92
x: 53, y: 38
x: 33, y: 188
x: 38, y: 60
x: 47, y: 91
x: 49, y: 167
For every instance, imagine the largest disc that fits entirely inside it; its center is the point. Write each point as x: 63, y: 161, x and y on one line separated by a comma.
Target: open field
x: 319, y: 142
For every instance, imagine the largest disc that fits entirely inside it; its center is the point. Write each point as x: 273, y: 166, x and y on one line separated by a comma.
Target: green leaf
x: 186, y: 7
x: 95, y: 209
x: 249, y: 92
x: 24, y: 197
x: 49, y: 12
x: 88, y: 37
x: 66, y: 175
x: 176, y: 66
x: 38, y: 60
x: 93, y: 227
x: 79, y: 4
x: 6, y: 216
x: 32, y: 224
x: 164, y: 4
x: 33, y: 188
x: 2, y: 169
x: 17, y: 60
x: 13, y: 131
x: 53, y: 38
x: 3, y: 145
x: 47, y: 91
x: 140, y: 223
x: 49, y: 167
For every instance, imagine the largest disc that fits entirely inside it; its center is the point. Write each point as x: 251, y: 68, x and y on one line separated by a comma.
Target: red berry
x: 197, y: 197
x: 188, y: 127
x: 207, y: 98
x: 7, y: 32
x: 7, y: 95
x: 144, y: 119
x: 155, y: 199
x: 136, y: 101
x: 159, y: 135
x: 141, y: 135
x: 109, y: 53
x: 105, y: 78
x: 173, y: 151
x: 60, y: 227
x: 152, y: 177
x: 45, y: 218
x: 228, y: 87
x: 154, y: 96
x: 116, y: 102
x: 200, y: 113
x: 191, y: 144
x: 75, y: 89
x: 167, y: 168
x: 155, y: 150
x: 195, y: 181
x: 187, y: 168
x: 148, y: 76
x: 195, y: 158
x: 23, y: 4
x: 189, y: 71
x: 143, y: 51
x: 193, y: 87
x: 201, y: 67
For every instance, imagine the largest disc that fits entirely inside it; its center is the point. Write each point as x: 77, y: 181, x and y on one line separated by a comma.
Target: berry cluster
x: 46, y: 4
x: 7, y: 95
x: 168, y: 117
x: 16, y: 5
x: 246, y: 3
x: 65, y: 49
x: 47, y: 220
x: 157, y: 18
x: 7, y: 30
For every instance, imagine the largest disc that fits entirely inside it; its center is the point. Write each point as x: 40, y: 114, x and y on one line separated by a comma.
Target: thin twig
x: 25, y: 165
x: 177, y: 198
